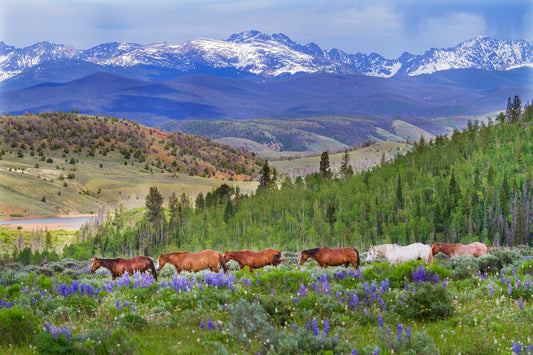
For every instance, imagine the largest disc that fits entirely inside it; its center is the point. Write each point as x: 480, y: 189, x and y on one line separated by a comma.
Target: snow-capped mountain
x: 263, y: 55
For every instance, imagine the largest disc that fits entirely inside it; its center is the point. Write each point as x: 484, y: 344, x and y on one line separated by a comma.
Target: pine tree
x: 265, y: 181
x: 399, y: 193
x: 345, y: 165
x: 325, y: 169
x: 154, y: 205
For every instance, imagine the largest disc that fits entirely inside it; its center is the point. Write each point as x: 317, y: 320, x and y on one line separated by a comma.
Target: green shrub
x: 132, y: 321
x: 278, y: 307
x: 46, y: 344
x: 426, y: 301
x: 248, y: 320
x: 464, y: 267
x: 526, y: 268
x: 304, y: 342
x: 16, y: 326
x: 105, y: 341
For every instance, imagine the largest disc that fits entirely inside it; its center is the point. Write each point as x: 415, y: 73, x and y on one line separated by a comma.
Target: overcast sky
x: 387, y: 27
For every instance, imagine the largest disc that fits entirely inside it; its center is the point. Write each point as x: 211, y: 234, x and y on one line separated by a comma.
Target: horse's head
x: 96, y: 264
x: 226, y: 256
x: 303, y: 257
x: 160, y: 262
x: 371, y: 255
x: 435, y: 249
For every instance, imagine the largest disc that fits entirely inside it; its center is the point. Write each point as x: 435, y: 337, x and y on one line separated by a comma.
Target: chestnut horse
x: 119, y: 266
x: 193, y: 262
x: 396, y: 254
x: 332, y: 257
x: 476, y: 249
x: 254, y: 259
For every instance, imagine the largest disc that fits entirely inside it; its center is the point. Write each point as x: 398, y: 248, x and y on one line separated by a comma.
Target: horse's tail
x: 222, y: 262
x: 152, y: 267
x: 358, y: 258
x: 430, y: 257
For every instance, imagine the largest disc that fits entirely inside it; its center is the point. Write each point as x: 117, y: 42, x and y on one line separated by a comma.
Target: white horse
x: 396, y: 254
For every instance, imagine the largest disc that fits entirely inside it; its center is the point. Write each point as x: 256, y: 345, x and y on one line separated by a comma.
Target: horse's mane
x: 311, y: 251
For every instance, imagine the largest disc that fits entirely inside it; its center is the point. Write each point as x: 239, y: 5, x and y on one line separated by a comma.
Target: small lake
x: 66, y: 222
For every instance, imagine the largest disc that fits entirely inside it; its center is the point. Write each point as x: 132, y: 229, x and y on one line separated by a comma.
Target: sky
x: 386, y: 27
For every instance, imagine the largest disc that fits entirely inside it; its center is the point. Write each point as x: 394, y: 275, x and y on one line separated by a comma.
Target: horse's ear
x: 94, y: 257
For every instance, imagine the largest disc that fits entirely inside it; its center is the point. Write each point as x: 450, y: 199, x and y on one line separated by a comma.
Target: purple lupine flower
x: 314, y: 327
x: 502, y: 277
x: 296, y: 300
x: 118, y: 304
x: 55, y: 332
x: 354, y: 351
x: 66, y: 332
x: 295, y: 327
x: 408, y: 333
x: 517, y: 347
x: 445, y: 283
x: 380, y: 321
x: 302, y: 291
x: 258, y: 282
x: 376, y: 351
x: 202, y: 325
x: 34, y: 301
x: 272, y: 292
x: 367, y: 314
x: 210, y: 324
x: 529, y: 349
x: 406, y: 285
x: 521, y: 303
x: 125, y: 303
x: 307, y: 326
x: 367, y: 289
x: 382, y: 304
x: 326, y: 326
x: 399, y: 331
x: 47, y: 327
x: 491, y: 289
x: 510, y: 289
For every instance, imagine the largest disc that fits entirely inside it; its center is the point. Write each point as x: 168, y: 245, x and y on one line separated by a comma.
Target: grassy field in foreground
x: 475, y: 306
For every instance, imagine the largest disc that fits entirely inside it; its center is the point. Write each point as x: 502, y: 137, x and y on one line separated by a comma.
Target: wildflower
x: 521, y: 303
x: 367, y: 314
x: 55, y: 332
x: 376, y: 351
x: 326, y: 326
x: 296, y: 300
x: 118, y: 304
x: 400, y: 330
x: 202, y: 325
x: 380, y: 321
x: 315, y: 327
x: 408, y: 333
x: 491, y: 289
x: 210, y: 324
x: 510, y: 289
x: 354, y: 351
x: 517, y: 347
x: 295, y: 327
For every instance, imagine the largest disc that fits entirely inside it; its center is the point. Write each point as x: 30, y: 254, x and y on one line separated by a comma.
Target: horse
x: 193, y: 262
x: 119, y: 266
x: 396, y: 254
x: 332, y: 257
x: 476, y: 249
x: 254, y: 259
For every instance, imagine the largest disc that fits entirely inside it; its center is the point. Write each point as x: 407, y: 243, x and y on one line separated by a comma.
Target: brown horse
x: 184, y: 261
x: 254, y: 259
x: 332, y: 257
x: 476, y: 249
x: 119, y: 266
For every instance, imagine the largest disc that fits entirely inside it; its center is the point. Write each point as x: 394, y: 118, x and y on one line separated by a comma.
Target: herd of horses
x: 209, y: 259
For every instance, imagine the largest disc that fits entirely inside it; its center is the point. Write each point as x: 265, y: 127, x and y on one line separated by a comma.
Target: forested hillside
x: 473, y: 185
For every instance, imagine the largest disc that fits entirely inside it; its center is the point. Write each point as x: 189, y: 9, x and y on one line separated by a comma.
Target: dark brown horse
x: 119, y: 266
x: 332, y: 257
x: 253, y: 259
x: 184, y: 261
x: 476, y: 249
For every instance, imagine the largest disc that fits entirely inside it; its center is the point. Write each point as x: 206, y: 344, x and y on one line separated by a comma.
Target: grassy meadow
x: 460, y: 305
